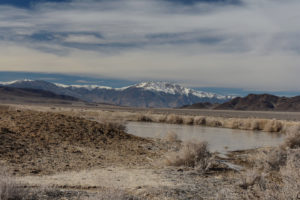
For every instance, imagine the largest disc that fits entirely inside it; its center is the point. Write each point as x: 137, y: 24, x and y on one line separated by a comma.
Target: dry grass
x: 9, y: 188
x: 112, y: 194
x: 268, y: 125
x: 276, y: 174
x: 191, y: 154
x: 171, y: 137
x: 256, y: 124
x: 293, y: 139
x: 34, y: 142
x: 291, y: 175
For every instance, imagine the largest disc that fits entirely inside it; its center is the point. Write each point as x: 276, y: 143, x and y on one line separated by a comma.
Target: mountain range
x: 262, y: 102
x: 253, y: 102
x: 145, y: 94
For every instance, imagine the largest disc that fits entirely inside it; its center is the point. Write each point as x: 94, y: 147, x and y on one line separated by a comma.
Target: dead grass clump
x: 199, y: 120
x: 291, y: 175
x: 171, y: 137
x: 252, y: 177
x: 293, y: 139
x: 174, y: 119
x: 277, y: 172
x: 188, y: 120
x: 254, y: 125
x: 114, y: 126
x: 9, y: 188
x: 235, y: 125
x: 273, y: 126
x: 161, y: 118
x: 191, y: 154
x: 280, y: 185
x: 144, y: 118
x: 112, y: 194
x: 270, y: 160
x: 213, y: 122
x: 276, y: 159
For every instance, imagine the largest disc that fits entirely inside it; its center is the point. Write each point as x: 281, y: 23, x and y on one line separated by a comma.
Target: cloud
x: 224, y: 43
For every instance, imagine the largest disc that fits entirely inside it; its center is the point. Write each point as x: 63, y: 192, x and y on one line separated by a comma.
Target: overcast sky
x: 251, y: 44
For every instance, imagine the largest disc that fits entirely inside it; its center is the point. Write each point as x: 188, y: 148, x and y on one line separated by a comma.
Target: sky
x: 249, y: 44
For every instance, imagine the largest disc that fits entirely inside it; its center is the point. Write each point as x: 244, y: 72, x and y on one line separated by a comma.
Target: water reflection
x: 219, y: 139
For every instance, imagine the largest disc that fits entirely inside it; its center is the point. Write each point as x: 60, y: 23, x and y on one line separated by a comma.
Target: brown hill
x: 9, y: 95
x: 262, y: 102
x: 44, y: 143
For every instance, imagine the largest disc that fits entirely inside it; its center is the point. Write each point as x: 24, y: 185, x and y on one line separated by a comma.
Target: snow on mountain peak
x: 15, y: 81
x: 171, y: 88
x: 88, y: 87
x: 163, y: 87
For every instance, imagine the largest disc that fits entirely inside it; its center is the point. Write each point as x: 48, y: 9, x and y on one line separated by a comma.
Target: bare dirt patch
x: 34, y: 142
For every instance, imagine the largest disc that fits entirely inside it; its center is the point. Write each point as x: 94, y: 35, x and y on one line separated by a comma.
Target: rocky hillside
x: 263, y: 102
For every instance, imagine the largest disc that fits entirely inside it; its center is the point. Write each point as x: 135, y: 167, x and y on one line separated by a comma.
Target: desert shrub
x: 276, y: 158
x: 291, y: 175
x: 188, y: 120
x: 9, y: 188
x: 144, y: 118
x: 252, y: 177
x: 254, y: 125
x: 174, y: 119
x: 214, y: 122
x: 235, y: 125
x: 171, y: 137
x: 191, y: 154
x: 161, y: 118
x: 270, y: 160
x: 224, y: 194
x: 280, y: 185
x: 277, y: 173
x: 199, y: 120
x: 114, y: 126
x: 293, y: 139
x: 273, y: 126
x: 112, y: 194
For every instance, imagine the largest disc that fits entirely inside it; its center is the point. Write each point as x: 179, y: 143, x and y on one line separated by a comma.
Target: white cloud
x: 253, y: 45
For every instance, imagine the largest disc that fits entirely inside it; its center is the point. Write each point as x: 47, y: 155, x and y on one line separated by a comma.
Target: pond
x: 219, y: 139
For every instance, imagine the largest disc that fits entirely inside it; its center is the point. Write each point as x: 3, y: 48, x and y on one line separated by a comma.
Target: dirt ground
x: 76, y: 158
x: 292, y: 116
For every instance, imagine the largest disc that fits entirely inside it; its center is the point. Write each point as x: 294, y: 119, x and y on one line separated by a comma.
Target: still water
x: 219, y: 139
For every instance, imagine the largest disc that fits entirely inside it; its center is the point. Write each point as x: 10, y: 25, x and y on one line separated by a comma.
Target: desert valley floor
x: 84, y: 152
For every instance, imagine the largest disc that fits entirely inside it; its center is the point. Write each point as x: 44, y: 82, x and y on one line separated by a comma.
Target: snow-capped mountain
x: 174, y: 89
x: 145, y: 94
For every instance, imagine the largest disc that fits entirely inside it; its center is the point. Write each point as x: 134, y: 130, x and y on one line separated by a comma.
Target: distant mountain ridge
x: 145, y: 94
x: 10, y: 94
x: 262, y: 102
x: 254, y: 102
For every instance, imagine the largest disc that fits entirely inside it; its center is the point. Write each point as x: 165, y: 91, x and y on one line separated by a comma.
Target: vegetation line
x: 254, y: 124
